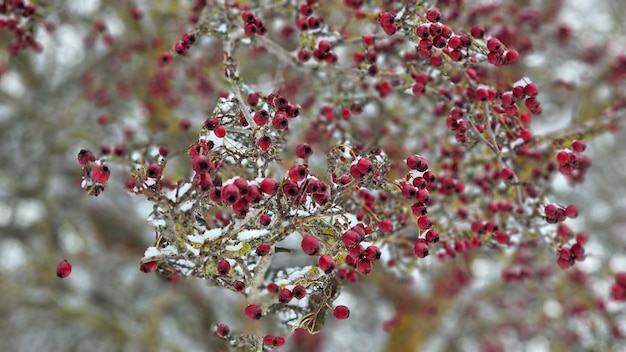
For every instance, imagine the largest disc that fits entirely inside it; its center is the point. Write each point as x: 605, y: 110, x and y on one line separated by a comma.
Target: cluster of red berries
x: 456, y: 123
x: 323, y: 52
x: 308, y: 21
x: 285, y: 295
x: 572, y: 164
x: 387, y: 21
x: 618, y: 289
x: 253, y: 24
x: 95, y: 174
x: 184, y: 44
x: 23, y: 37
x: 274, y: 341
x: 568, y: 256
x: 360, y: 258
x: 497, y: 55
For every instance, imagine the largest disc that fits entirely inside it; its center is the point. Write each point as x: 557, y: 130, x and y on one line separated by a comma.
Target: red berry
x: 85, y: 156
x: 253, y: 312
x: 100, y: 174
x: 424, y: 222
x: 278, y: 341
x: 433, y: 14
x: 201, y: 164
x: 511, y: 56
x: 579, y: 146
x: 550, y: 211
x: 565, y: 263
x: 265, y: 219
x: 385, y: 226
x: 272, y: 288
x: 264, y: 143
x: 298, y: 172
x: 261, y: 117
x: 285, y: 296
x: 223, y: 267
x: 310, y: 245
x: 350, y: 239
x: 211, y: 123
x: 64, y: 268
x: 299, y: 292
x: 304, y: 55
x: 280, y: 120
x: 252, y: 99
x: 269, y: 186
x: 304, y: 150
x: 571, y: 211
x: 364, y: 266
x: 477, y: 32
x: 507, y: 175
x: 372, y: 253
x: 230, y: 194
x: 263, y: 249
x: 494, y: 44
x: 432, y: 236
x: 222, y: 330
x: 148, y: 267
x: 239, y: 286
x: 531, y: 90
x: 326, y: 263
x: 364, y: 165
x: 220, y: 132
x: 341, y: 312
x: 324, y: 46
x: 420, y: 248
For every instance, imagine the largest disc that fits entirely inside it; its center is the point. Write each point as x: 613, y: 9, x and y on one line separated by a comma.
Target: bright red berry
x: 269, y: 186
x: 326, y: 263
x: 433, y: 14
x: 304, y: 150
x: 220, y: 132
x: 579, y: 146
x: 364, y: 165
x: 310, y: 245
x: 100, y: 174
x: 341, y: 312
x: 507, y: 174
x: 253, y: 312
x: 571, y: 211
x: 385, y: 225
x: 64, y: 268
x: 423, y: 222
x: 420, y: 248
x: 230, y: 194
